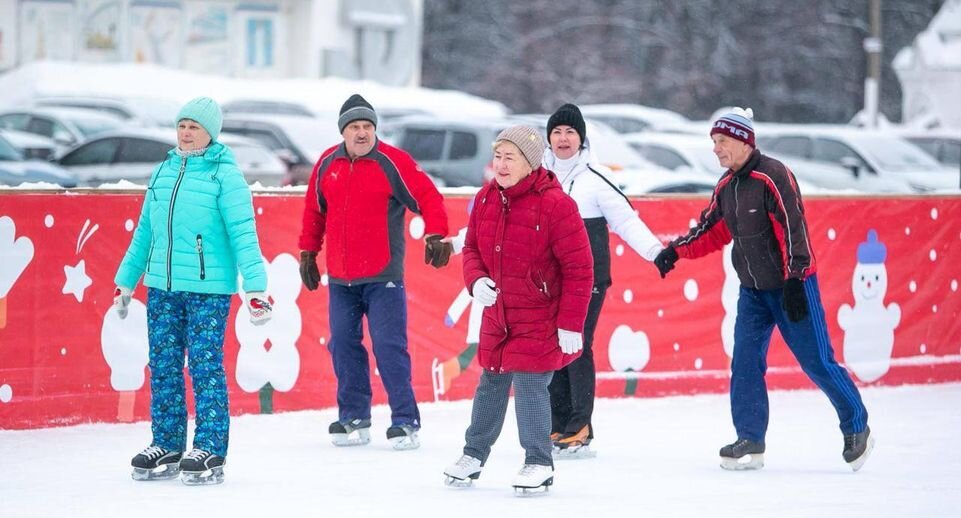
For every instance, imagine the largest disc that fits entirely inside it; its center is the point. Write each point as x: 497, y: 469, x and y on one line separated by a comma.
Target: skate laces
x: 196, y: 454
x: 153, y: 452
x: 465, y: 461
x: 529, y: 469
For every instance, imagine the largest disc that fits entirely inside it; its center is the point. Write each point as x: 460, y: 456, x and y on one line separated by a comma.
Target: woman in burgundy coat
x: 527, y: 260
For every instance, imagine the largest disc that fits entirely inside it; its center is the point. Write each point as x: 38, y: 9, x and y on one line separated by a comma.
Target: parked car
x: 458, y: 151
x: 136, y: 111
x: 65, y: 126
x: 298, y: 141
x: 133, y: 154
x: 677, y: 182
x: 883, y: 159
x: 15, y: 170
x: 694, y: 154
x: 267, y: 107
x: 633, y: 118
x: 943, y: 146
x: 30, y: 145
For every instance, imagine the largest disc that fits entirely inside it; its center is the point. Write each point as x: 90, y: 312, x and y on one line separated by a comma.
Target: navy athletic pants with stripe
x: 758, y: 311
x: 385, y: 305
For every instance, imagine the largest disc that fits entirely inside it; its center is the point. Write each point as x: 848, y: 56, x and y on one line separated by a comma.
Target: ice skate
x: 403, y: 437
x: 533, y: 479
x: 156, y: 463
x: 201, y: 468
x: 463, y: 473
x: 742, y: 454
x: 576, y: 446
x: 857, y: 448
x: 356, y: 432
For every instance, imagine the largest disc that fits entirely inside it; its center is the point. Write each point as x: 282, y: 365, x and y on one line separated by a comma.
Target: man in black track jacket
x: 757, y: 205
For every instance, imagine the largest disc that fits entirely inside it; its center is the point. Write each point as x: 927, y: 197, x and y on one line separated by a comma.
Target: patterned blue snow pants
x: 192, y: 323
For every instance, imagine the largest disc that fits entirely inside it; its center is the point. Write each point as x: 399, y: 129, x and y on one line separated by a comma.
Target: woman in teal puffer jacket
x: 196, y: 230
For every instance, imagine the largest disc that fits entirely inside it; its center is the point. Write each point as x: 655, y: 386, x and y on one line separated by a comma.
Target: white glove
x: 260, y: 309
x: 121, y: 300
x: 483, y: 291
x: 570, y: 341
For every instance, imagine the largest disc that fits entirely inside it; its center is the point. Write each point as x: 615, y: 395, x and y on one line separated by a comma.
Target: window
x: 265, y: 137
x: 135, y: 150
x: 794, y: 146
x: 463, y: 145
x: 41, y: 126
x: 829, y: 150
x: 423, y: 144
x: 14, y: 121
x: 951, y: 153
x: 621, y: 124
x: 93, y: 153
x: 664, y: 157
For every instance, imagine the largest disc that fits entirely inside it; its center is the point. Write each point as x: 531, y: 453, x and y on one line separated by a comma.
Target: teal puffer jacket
x: 196, y: 228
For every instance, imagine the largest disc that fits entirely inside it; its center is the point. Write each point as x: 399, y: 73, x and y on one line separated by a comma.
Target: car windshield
x: 7, y: 152
x: 893, y: 154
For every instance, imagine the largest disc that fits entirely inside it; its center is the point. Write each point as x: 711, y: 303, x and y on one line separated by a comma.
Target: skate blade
x: 582, y: 452
x: 541, y: 490
x: 203, y: 478
x: 163, y: 472
x: 748, y: 462
x: 857, y: 463
x: 358, y: 438
x: 405, y: 443
x: 460, y: 483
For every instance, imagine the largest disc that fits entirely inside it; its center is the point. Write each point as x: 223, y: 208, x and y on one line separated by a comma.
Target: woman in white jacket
x: 601, y: 204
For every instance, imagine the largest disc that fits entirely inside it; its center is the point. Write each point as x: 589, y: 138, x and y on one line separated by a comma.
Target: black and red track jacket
x: 358, y: 206
x: 759, y: 208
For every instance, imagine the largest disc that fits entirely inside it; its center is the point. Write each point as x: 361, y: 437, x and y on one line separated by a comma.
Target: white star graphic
x: 77, y: 280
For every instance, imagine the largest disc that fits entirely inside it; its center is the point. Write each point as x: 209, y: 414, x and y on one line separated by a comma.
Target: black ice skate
x: 463, y: 473
x: 156, y: 463
x: 200, y: 468
x: 355, y: 432
x: 533, y: 479
x: 574, y: 446
x: 403, y: 437
x: 742, y: 454
x: 857, y: 448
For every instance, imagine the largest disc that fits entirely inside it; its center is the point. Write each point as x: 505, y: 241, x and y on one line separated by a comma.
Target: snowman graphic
x: 869, y: 325
x: 628, y: 351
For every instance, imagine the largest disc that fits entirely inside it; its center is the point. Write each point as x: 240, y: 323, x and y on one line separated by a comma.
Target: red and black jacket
x: 358, y: 206
x: 759, y: 208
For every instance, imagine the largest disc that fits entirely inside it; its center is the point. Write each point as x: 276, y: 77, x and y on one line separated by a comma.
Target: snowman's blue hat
x: 872, y: 251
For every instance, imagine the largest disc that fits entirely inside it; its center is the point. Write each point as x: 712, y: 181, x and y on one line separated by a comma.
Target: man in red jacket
x: 356, y: 198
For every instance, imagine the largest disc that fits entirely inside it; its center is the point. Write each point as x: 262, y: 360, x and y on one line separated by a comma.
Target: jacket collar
x: 342, y: 150
x: 750, y: 165
x: 538, y: 181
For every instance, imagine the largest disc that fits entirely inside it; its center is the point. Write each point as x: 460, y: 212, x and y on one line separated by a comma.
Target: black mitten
x: 308, y: 269
x: 665, y: 260
x: 795, y: 301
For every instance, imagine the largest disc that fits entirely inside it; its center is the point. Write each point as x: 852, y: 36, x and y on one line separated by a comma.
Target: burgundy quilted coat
x: 531, y: 241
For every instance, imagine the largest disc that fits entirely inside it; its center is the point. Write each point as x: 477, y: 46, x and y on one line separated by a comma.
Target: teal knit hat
x: 206, y: 112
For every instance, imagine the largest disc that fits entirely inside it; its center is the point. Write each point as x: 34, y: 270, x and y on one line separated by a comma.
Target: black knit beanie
x: 568, y: 115
x: 356, y: 108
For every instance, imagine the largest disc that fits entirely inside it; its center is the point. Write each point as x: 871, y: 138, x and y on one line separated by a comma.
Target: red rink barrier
x: 66, y: 358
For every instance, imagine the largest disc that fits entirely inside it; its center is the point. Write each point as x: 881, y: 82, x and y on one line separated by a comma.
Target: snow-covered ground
x: 657, y: 457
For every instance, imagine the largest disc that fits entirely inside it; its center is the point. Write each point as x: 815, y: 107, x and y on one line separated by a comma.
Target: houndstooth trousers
x: 532, y: 403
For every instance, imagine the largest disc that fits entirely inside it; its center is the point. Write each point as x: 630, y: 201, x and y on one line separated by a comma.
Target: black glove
x: 795, y: 301
x: 308, y: 269
x: 665, y: 260
x: 437, y: 252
